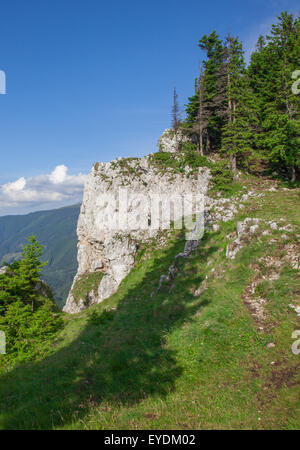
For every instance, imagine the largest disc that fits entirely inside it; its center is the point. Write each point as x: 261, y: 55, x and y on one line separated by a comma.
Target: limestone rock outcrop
x: 171, y: 142
x: 118, y: 212
x: 3, y: 270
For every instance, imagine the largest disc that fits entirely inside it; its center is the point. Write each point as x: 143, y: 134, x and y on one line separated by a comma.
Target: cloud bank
x: 41, y: 192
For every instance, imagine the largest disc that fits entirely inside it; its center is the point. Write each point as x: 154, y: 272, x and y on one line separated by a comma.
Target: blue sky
x: 89, y: 80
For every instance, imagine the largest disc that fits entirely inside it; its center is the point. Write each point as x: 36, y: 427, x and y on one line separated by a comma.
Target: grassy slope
x: 56, y: 230
x: 173, y: 361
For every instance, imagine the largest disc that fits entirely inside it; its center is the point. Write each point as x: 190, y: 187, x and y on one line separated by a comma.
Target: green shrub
x: 177, y: 162
x: 29, y: 334
x: 223, y: 179
x: 222, y: 176
x: 28, y: 313
x: 85, y: 284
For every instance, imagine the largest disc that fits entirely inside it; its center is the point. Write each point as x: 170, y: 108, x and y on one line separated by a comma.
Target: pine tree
x: 237, y: 132
x: 271, y: 70
x: 283, y: 141
x: 192, y: 107
x: 26, y: 316
x: 200, y: 120
x: 213, y: 98
x: 253, y: 113
x: 20, y: 281
x: 207, y: 107
x: 200, y: 123
x: 29, y: 269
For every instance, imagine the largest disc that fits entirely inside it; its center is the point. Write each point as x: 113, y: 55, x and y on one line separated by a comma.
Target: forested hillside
x: 56, y: 231
x: 250, y: 114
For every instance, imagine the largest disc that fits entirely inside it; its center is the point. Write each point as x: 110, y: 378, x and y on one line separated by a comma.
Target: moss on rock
x: 85, y: 284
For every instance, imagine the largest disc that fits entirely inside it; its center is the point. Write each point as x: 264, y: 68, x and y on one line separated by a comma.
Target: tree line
x: 248, y: 113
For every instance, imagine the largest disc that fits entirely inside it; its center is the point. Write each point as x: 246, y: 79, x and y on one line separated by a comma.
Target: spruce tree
x: 191, y: 108
x: 238, y: 130
x: 20, y: 281
x: 213, y: 103
x: 271, y: 69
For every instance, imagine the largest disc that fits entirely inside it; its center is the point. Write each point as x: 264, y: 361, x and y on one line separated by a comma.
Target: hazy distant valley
x: 56, y: 231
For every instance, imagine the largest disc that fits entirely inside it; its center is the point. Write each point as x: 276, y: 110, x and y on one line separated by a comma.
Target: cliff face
x: 120, y: 205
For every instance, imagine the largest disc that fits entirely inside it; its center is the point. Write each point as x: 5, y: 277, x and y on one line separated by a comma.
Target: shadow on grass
x: 120, y: 358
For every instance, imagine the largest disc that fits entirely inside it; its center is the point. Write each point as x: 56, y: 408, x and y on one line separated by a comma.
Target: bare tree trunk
x: 208, y: 143
x: 175, y: 116
x: 228, y: 78
x: 292, y: 174
x: 200, y: 112
x: 231, y: 103
x: 233, y: 163
x: 201, y: 142
x: 234, y: 109
x: 233, y: 159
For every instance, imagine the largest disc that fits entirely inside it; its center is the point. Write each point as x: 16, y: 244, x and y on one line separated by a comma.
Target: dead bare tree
x: 175, y: 114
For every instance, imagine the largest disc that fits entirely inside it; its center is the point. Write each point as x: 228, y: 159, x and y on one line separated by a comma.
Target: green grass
x: 222, y: 180
x: 86, y: 283
x: 128, y: 168
x: 168, y: 359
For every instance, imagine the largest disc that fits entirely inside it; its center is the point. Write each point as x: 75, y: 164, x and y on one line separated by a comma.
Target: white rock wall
x: 109, y: 232
x: 171, y: 142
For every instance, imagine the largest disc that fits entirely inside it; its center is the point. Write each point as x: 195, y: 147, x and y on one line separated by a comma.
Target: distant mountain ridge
x: 56, y: 231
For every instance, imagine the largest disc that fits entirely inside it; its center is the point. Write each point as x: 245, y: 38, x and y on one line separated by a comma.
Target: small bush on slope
x: 28, y: 334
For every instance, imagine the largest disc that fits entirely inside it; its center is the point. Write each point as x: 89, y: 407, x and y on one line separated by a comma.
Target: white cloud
x: 59, y: 174
x: 15, y: 186
x: 41, y: 192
